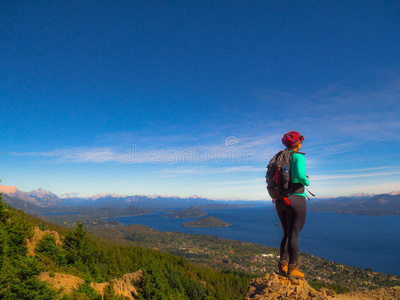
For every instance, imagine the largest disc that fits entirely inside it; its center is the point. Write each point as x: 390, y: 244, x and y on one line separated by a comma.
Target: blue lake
x: 361, y: 241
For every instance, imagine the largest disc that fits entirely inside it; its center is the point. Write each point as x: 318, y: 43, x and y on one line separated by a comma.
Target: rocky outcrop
x: 69, y: 283
x: 37, y: 236
x: 274, y: 287
x: 122, y: 286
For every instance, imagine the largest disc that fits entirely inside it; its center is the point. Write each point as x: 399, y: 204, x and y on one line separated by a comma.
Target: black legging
x: 293, y: 217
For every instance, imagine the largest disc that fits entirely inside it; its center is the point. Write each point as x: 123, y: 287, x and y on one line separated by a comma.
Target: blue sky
x: 193, y: 97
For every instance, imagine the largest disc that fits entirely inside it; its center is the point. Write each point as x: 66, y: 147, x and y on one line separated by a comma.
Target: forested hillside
x: 165, y: 276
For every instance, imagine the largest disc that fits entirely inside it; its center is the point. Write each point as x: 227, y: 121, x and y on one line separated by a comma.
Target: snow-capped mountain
x: 394, y: 193
x: 39, y: 197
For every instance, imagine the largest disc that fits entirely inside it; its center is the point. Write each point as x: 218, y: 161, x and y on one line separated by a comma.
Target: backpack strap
x: 291, y: 151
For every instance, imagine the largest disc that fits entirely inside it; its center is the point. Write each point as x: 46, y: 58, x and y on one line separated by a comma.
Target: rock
x: 37, y: 236
x: 327, y: 292
x: 68, y: 283
x: 122, y: 286
x: 273, y: 287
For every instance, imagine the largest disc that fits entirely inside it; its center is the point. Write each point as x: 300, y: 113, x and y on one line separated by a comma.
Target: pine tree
x: 47, y: 246
x: 4, y: 214
x: 152, y: 285
x: 18, y: 272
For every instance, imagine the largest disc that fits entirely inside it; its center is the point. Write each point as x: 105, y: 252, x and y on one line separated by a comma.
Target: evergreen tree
x: 80, y: 252
x: 165, y: 276
x: 47, y: 246
x: 4, y: 214
x: 152, y: 285
x: 18, y: 272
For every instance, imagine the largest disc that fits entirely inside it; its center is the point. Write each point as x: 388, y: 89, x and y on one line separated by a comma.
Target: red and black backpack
x: 279, y: 183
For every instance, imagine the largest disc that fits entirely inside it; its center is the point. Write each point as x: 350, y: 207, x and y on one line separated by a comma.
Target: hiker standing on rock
x: 286, y: 178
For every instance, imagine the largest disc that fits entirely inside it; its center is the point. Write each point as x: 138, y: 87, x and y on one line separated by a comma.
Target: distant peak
x: 361, y: 195
x: 155, y: 196
x: 41, y: 191
x: 103, y: 195
x: 8, y: 189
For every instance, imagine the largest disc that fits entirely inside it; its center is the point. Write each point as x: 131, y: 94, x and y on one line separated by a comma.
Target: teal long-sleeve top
x: 298, y: 171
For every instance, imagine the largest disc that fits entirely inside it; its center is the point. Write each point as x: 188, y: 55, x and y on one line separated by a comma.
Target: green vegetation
x: 255, y: 259
x: 222, y: 254
x: 191, y: 212
x: 206, y: 222
x: 165, y: 276
x: 336, y: 288
x: 17, y: 270
x: 115, y: 250
x: 47, y: 247
x: 85, y: 291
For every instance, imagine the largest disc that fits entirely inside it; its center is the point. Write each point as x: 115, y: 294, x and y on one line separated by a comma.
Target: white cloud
x: 367, y: 169
x: 352, y: 176
x: 209, y: 170
x: 259, y: 181
x: 77, y: 155
x: 229, y: 151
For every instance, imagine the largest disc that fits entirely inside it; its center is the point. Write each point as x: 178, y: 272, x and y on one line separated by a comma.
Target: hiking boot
x: 293, y: 271
x: 282, y: 268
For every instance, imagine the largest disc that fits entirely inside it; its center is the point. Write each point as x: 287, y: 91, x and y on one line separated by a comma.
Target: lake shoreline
x: 327, y: 235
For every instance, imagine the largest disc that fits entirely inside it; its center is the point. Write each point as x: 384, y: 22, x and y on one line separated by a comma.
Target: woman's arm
x: 299, y: 171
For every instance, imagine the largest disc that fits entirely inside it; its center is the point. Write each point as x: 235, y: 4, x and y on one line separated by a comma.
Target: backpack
x: 278, y: 177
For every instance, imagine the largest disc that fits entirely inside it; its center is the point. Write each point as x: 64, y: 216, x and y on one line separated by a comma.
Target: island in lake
x: 206, y: 222
x: 191, y: 212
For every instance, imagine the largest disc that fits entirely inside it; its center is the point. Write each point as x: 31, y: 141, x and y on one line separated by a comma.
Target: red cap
x: 292, y: 138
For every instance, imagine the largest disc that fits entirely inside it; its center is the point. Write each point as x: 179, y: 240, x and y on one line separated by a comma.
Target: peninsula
x: 206, y: 222
x: 191, y: 212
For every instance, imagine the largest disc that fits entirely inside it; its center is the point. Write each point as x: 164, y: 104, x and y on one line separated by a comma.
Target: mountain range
x: 39, y: 197
x: 376, y: 205
x: 41, y: 201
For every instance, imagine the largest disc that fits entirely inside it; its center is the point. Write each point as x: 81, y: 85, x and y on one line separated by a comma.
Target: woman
x: 292, y: 213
